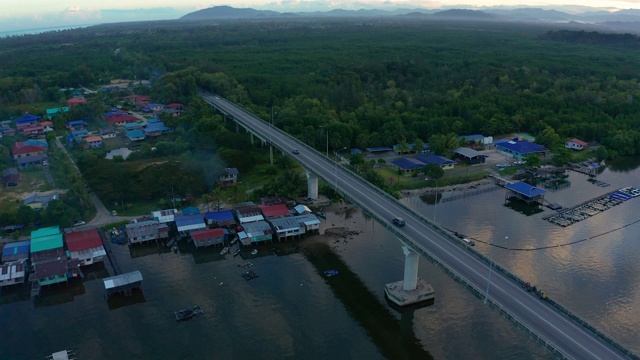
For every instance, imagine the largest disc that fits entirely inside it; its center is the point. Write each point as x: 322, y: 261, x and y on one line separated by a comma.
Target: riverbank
x: 431, y: 190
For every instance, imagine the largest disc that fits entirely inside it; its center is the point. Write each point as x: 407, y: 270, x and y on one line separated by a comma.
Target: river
x: 291, y: 311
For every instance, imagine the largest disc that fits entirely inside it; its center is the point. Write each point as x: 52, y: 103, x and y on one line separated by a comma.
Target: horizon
x: 57, y: 14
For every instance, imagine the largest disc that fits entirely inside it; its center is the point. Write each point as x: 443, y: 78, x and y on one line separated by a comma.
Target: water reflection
x: 119, y: 300
x: 624, y: 164
x: 60, y: 293
x: 15, y: 293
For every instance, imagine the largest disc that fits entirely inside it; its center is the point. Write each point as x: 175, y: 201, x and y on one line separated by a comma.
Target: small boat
x: 235, y: 253
x: 188, y: 313
x: 224, y: 251
x: 330, y: 273
x: 254, y: 251
x: 249, y: 275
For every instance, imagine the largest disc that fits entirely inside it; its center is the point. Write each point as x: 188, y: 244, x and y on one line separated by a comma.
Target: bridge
x: 564, y: 333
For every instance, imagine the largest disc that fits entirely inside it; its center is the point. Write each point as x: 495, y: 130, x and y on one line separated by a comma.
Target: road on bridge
x: 557, y: 329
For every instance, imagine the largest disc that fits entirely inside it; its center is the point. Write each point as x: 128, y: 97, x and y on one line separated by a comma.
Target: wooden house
x: 85, y: 246
x: 208, y: 237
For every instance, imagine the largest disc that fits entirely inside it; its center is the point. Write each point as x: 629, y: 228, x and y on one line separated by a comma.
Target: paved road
x: 557, y: 329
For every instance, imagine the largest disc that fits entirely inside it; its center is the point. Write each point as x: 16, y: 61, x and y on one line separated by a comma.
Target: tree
x: 561, y: 156
x: 356, y: 160
x: 532, y: 160
x: 433, y: 171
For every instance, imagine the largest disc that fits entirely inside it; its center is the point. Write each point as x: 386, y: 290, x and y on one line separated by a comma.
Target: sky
x: 36, y: 14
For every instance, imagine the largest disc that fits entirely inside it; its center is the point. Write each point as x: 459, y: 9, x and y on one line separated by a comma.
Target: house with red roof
x: 274, y: 211
x: 33, y: 131
x: 75, y: 101
x: 20, y: 150
x: 121, y: 119
x: 93, y: 141
x: 208, y: 237
x: 575, y: 144
x: 85, y: 246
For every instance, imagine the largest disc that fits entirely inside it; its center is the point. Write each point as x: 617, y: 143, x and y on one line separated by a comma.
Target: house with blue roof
x: 525, y: 192
x: 408, y: 164
x: 154, y: 108
x: 441, y: 161
x: 133, y: 126
x: 188, y: 223
x: 36, y: 142
x: 16, y: 251
x: 76, y: 125
x: 520, y: 148
x: 379, y: 149
x: 134, y: 135
x: 27, y: 119
x: 155, y: 128
x: 77, y: 136
x: 223, y: 218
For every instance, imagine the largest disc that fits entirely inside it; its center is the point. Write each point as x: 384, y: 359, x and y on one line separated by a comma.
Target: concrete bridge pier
x: 271, y: 153
x: 312, y: 186
x: 411, y: 290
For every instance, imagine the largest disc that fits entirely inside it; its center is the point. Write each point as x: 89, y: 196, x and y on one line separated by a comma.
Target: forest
x: 367, y: 82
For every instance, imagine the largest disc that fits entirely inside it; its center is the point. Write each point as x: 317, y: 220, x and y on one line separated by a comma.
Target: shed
x: 123, y: 283
x: 274, y: 211
x: 309, y: 221
x: 302, y: 209
x: 188, y: 223
x: 520, y: 148
x: 469, y: 156
x: 525, y: 192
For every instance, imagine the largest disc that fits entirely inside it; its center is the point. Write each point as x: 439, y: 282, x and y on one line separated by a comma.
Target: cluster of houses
x: 50, y: 256
x: 251, y: 223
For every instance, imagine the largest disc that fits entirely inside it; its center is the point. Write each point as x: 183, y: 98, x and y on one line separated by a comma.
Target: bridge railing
x: 447, y: 235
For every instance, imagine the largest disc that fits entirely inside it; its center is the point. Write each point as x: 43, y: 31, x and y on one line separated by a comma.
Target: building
x: 188, y: 223
x: 48, y: 258
x: 75, y: 101
x: 93, y: 141
x: 143, y: 231
x: 302, y: 209
x: 274, y: 211
x: 33, y: 131
x: 408, y: 164
x: 575, y: 144
x: 229, y: 177
x: 10, y: 177
x: 123, y: 283
x: 26, y: 120
x: 134, y: 135
x: 155, y: 127
x: 164, y: 216
x: 16, y: 251
x: 469, y: 156
x: 525, y: 192
x: 55, y: 111
x: 108, y: 132
x: 76, y: 125
x: 132, y: 126
x: 208, y: 237
x: 287, y: 227
x: 77, y: 135
x: 248, y: 212
x: 223, y: 218
x: 155, y: 108
x: 190, y: 210
x: 85, y: 246
x: 39, y: 201
x: 28, y: 161
x: 520, y: 148
x: 12, y: 273
x: 441, y: 161
x: 20, y: 150
x: 255, y: 232
x: 121, y: 119
x: 309, y: 221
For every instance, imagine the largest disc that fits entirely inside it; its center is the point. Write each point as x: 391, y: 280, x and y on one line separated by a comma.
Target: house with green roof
x: 49, y: 260
x: 55, y: 111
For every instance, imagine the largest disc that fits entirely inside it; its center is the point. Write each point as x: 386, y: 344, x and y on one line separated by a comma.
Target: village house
x: 10, y: 177
x: 148, y: 230
x: 93, y: 141
x: 255, y: 232
x: 28, y: 161
x: 120, y: 119
x: 39, y: 201
x: 189, y: 223
x: 76, y: 125
x: 48, y: 258
x: 155, y: 127
x: 274, y: 211
x: 16, y: 251
x: 85, y: 246
x: 154, y: 108
x: 287, y: 227
x: 12, y: 273
x: 164, y: 216
x: 55, y: 111
x: 132, y: 126
x: 108, y: 133
x: 575, y: 144
x: 20, y: 150
x: 75, y: 101
x: 174, y: 109
x: 208, y: 237
x: 134, y: 135
x: 229, y: 177
x: 33, y: 131
x: 223, y: 218
x: 26, y: 120
x: 248, y: 212
x: 302, y: 209
x: 310, y: 222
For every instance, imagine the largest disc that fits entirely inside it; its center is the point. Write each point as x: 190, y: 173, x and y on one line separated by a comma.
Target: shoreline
x: 448, y: 188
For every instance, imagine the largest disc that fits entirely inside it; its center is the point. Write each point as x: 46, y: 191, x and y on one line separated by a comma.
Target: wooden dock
x: 115, y: 267
x: 587, y: 209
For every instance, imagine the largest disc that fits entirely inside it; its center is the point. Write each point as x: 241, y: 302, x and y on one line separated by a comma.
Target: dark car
x: 295, y: 151
x: 399, y: 222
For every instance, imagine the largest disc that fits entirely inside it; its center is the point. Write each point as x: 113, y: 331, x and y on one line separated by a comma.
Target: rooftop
x: 82, y: 240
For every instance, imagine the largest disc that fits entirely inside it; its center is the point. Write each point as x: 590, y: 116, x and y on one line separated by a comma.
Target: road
x: 555, y: 328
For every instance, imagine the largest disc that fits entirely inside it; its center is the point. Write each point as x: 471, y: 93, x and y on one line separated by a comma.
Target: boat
x: 188, y: 313
x: 249, y: 275
x: 254, y: 251
x: 224, y: 251
x: 235, y: 253
x: 330, y: 273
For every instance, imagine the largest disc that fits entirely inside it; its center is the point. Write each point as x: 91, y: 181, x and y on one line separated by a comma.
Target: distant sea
x: 4, y: 34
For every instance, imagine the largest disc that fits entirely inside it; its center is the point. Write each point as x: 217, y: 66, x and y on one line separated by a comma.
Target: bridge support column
x: 312, y: 186
x: 237, y: 128
x: 271, y: 153
x: 251, y: 138
x: 410, y: 290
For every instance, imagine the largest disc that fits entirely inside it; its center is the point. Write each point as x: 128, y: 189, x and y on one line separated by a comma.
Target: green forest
x: 368, y: 82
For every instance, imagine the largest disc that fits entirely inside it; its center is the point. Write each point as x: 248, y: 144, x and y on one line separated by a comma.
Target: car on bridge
x: 399, y: 222
x: 295, y: 151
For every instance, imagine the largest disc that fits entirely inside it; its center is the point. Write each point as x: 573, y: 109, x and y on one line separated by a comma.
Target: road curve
x: 566, y: 335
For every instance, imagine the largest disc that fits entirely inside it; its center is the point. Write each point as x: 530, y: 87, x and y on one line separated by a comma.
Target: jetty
x: 587, y: 209
x: 112, y: 259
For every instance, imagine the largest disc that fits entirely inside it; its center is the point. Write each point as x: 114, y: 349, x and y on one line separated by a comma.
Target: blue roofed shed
x: 441, y: 161
x: 520, y: 148
x: 379, y: 149
x: 408, y: 164
x: 525, y: 192
x: 188, y: 223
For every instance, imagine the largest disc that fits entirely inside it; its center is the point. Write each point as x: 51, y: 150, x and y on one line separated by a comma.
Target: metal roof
x: 408, y: 163
x: 83, y: 240
x: 277, y: 210
x: 522, y: 147
x: 189, y: 222
x: 470, y: 153
x: 207, y: 234
x: 114, y: 282
x: 525, y: 189
x: 220, y: 216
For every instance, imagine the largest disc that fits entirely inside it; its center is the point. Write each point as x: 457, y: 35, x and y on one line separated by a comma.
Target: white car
x: 78, y: 223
